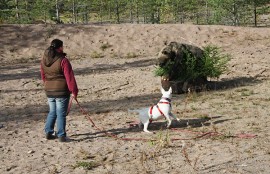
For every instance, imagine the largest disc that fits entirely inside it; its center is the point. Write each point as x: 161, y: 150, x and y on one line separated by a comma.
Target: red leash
x: 88, y: 117
x: 206, y: 134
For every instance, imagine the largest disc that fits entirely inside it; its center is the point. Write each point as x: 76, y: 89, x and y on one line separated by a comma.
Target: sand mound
x: 114, y: 67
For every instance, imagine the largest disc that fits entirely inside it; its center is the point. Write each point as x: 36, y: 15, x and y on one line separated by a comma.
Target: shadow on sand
x: 153, y: 127
x: 34, y: 112
x: 32, y: 70
x: 199, y: 86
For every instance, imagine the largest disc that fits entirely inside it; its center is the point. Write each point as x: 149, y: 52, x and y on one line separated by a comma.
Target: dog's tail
x: 141, y: 111
x: 130, y: 111
x: 137, y: 111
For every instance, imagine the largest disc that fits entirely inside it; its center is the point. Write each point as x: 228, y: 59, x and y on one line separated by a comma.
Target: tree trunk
x: 86, y: 14
x: 130, y: 12
x: 100, y: 12
x: 207, y: 12
x: 73, y: 12
x: 57, y: 12
x: 117, y: 12
x: 137, y: 12
x: 255, y: 15
x: 17, y: 9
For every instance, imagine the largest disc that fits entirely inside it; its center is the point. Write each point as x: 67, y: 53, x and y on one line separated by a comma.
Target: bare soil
x: 224, y: 130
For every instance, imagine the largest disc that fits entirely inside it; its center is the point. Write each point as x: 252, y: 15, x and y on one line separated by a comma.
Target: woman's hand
x: 74, y: 96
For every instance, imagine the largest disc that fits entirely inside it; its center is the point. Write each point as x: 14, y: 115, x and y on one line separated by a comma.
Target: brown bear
x: 177, y: 53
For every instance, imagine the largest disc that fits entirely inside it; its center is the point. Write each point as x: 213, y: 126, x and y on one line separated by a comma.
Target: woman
x: 59, y: 83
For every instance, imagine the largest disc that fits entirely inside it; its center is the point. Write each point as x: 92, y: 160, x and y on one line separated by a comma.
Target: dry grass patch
x: 87, y: 165
x: 96, y: 54
x: 131, y: 55
x: 105, y: 46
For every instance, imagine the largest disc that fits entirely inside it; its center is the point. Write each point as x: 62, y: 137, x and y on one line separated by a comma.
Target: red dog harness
x: 151, y: 109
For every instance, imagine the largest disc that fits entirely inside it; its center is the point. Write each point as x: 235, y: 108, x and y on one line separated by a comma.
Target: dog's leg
x: 145, y: 127
x: 173, y: 116
x: 169, y: 121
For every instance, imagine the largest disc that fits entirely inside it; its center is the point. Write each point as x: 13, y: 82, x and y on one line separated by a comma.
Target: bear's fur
x: 177, y: 52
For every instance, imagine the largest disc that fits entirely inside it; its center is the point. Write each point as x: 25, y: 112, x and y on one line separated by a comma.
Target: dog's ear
x: 170, y: 90
x: 162, y: 90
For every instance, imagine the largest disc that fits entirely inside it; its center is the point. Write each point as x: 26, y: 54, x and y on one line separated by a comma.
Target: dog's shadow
x: 113, y: 133
x: 154, y: 126
x: 184, y: 123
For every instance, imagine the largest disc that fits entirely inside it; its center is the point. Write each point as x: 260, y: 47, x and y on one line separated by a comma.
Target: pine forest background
x: 200, y: 12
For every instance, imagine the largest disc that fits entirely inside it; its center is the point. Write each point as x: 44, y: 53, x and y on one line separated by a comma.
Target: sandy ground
x: 114, y: 67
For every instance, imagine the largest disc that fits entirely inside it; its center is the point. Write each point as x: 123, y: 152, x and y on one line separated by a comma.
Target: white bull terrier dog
x: 162, y: 109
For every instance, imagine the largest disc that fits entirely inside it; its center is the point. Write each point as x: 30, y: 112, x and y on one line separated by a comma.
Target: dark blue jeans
x: 58, y: 111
